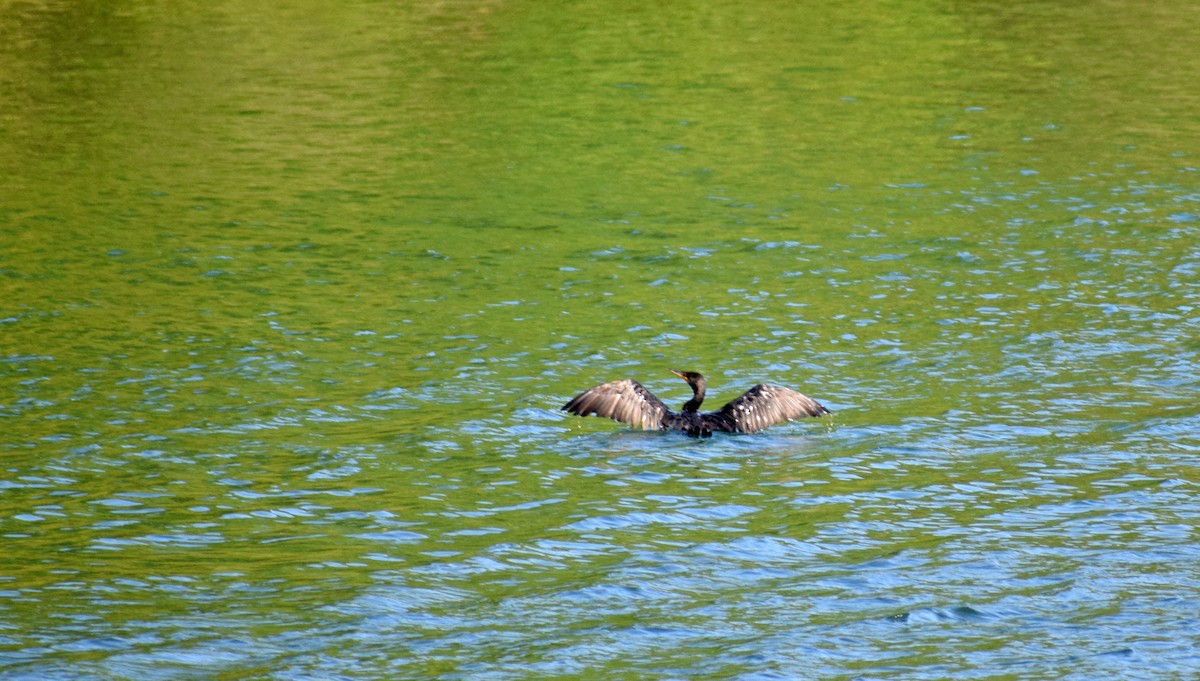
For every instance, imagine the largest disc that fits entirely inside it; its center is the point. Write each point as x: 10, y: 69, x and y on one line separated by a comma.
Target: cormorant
x: 630, y: 402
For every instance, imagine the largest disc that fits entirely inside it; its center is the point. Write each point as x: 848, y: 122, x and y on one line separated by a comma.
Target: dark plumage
x: 630, y: 402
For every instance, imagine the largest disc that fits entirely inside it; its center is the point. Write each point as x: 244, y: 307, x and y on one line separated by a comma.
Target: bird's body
x: 630, y: 402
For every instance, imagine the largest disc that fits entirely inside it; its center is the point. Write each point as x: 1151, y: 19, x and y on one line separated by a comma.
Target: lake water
x: 290, y: 297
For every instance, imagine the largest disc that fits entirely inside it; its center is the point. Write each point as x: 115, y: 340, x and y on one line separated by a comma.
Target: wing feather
x: 626, y: 401
x: 766, y: 405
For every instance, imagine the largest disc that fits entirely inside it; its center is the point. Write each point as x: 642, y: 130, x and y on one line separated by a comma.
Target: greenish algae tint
x: 290, y: 297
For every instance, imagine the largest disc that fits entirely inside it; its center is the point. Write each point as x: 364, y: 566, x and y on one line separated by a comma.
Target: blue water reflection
x: 292, y: 296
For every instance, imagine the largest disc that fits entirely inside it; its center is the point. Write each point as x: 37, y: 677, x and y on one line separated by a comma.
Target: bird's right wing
x: 626, y: 401
x: 765, y: 405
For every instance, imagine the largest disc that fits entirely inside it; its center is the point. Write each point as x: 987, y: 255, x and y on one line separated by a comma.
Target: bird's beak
x: 679, y: 373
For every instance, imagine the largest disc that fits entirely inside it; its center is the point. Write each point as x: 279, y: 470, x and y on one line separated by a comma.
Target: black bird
x: 630, y: 402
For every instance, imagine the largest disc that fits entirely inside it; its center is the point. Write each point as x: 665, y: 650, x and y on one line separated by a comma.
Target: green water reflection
x: 289, y: 295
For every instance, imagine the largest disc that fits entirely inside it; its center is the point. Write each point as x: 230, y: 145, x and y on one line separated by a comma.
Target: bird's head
x: 693, y: 378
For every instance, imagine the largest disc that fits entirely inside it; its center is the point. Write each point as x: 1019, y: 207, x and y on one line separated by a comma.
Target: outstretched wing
x: 765, y: 405
x: 626, y: 401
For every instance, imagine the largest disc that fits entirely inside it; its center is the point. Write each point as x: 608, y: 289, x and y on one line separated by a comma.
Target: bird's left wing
x: 626, y: 401
x: 765, y: 405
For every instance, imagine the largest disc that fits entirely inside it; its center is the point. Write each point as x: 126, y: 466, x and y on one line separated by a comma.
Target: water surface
x: 292, y: 295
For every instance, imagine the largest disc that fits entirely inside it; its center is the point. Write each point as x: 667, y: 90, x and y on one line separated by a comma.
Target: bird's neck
x: 697, y: 398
